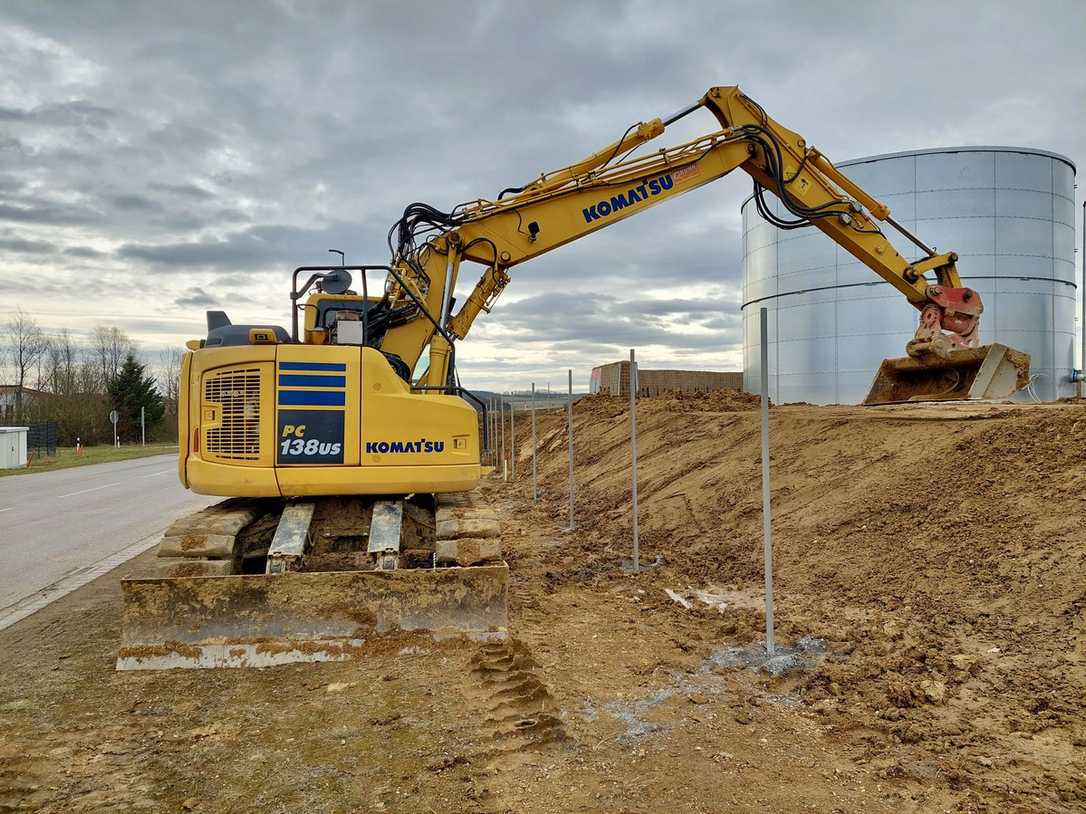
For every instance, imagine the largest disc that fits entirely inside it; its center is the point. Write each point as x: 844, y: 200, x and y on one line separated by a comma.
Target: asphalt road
x: 61, y: 529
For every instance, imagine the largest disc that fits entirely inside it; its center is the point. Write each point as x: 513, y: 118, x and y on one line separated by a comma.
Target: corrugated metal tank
x: 1007, y: 211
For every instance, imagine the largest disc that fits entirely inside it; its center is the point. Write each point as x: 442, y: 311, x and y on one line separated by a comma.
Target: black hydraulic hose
x: 422, y: 307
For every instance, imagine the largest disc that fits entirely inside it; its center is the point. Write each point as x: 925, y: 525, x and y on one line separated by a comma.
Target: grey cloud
x: 252, y: 248
x: 16, y: 244
x: 65, y: 114
x: 44, y: 213
x: 185, y: 190
x: 699, y: 307
x: 84, y: 252
x: 196, y: 297
x: 134, y: 201
x: 572, y: 321
x: 242, y: 139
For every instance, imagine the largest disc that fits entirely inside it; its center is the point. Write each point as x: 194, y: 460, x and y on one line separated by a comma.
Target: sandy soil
x: 934, y: 554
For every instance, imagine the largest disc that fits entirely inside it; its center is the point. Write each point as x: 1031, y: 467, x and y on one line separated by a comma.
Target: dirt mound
x: 675, y: 401
x: 939, y: 550
x: 930, y: 597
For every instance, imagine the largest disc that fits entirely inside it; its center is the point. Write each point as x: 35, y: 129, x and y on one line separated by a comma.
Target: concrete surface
x: 59, y: 530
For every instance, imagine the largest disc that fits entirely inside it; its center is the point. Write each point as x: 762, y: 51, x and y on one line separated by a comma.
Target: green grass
x: 104, y: 453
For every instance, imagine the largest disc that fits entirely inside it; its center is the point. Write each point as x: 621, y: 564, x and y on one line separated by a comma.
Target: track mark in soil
x: 520, y: 711
x: 21, y: 780
x: 519, y: 721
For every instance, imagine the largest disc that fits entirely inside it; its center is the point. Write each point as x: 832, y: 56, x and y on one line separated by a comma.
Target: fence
x: 41, y: 440
x: 627, y: 379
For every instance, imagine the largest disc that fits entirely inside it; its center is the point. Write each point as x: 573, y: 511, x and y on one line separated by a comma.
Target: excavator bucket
x: 256, y: 620
x: 986, y: 372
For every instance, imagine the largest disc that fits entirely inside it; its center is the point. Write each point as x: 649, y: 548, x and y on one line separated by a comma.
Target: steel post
x: 569, y: 436
x: 535, y: 482
x: 632, y: 385
x: 767, y: 521
x: 501, y: 446
x: 512, y: 440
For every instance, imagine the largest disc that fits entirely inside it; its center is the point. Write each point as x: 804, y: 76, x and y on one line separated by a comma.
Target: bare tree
x: 110, y: 346
x: 61, y: 363
x: 169, y: 373
x: 25, y: 345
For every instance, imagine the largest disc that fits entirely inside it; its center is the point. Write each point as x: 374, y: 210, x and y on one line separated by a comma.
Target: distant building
x: 614, y: 380
x: 8, y: 401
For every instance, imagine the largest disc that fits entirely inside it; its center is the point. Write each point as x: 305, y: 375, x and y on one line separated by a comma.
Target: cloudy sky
x: 158, y: 159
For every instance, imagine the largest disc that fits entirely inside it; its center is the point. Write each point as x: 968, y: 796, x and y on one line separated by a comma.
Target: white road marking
x: 51, y: 593
x: 8, y: 509
x: 92, y: 489
x: 163, y: 472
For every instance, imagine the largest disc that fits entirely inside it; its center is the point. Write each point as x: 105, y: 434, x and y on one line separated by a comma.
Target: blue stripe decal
x: 297, y: 380
x: 328, y: 398
x: 312, y: 366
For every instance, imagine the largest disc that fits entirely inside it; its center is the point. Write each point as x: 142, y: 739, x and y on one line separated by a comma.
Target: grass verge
x: 66, y: 457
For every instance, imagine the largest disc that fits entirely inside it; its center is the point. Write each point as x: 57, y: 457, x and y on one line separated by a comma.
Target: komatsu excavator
x: 349, y: 452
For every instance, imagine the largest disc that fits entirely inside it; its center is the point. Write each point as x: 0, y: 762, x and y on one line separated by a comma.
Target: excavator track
x: 260, y: 582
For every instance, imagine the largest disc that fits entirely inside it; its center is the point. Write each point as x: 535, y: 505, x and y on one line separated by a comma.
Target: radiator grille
x: 237, y: 392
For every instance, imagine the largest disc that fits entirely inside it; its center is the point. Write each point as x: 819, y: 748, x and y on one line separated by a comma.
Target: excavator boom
x: 567, y: 204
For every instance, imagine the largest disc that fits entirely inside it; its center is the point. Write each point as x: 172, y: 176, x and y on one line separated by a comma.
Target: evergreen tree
x: 130, y: 390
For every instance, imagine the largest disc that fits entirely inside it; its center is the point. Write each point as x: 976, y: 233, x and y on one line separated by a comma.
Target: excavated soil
x: 931, y: 612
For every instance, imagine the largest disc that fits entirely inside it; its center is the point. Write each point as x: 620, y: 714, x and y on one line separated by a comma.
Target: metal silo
x: 1007, y: 211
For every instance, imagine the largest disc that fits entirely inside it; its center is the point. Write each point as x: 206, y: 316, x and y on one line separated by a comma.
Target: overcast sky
x: 158, y: 159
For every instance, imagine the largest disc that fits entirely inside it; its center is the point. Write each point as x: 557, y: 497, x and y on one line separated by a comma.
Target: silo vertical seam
x: 836, y: 327
x: 1052, y: 270
x: 777, y: 308
x: 995, y: 243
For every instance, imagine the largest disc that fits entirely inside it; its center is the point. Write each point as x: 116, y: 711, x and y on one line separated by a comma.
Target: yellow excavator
x: 349, y: 452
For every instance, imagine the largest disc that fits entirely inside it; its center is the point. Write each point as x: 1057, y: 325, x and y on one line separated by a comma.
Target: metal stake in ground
x: 501, y: 446
x: 535, y: 483
x: 513, y: 440
x: 767, y: 519
x: 633, y: 461
x: 569, y: 435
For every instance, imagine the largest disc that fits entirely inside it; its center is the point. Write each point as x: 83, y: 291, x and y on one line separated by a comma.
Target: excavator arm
x: 562, y: 206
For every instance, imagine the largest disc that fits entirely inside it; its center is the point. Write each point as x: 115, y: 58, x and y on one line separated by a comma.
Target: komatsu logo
x: 422, y: 445
x: 644, y: 191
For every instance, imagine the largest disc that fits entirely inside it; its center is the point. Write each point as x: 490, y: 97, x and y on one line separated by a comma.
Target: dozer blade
x: 257, y: 620
x: 987, y: 372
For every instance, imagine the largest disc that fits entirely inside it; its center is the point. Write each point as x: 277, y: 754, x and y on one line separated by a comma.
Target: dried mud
x: 929, y: 566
